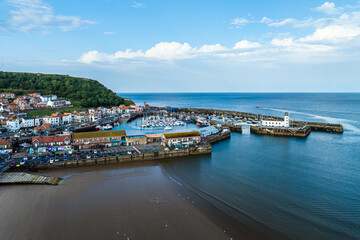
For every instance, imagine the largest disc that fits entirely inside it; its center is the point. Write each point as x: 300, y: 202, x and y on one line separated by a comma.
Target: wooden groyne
x: 26, y: 178
x: 315, y: 126
x: 202, y: 149
x: 289, y: 132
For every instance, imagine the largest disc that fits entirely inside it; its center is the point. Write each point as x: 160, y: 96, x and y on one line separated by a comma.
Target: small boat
x: 98, y: 127
x: 108, y: 127
x: 257, y: 106
x: 167, y: 128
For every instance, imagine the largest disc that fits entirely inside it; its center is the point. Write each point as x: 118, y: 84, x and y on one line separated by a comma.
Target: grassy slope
x: 48, y: 112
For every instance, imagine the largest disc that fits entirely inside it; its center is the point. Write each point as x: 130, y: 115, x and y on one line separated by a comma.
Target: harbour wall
x: 203, y: 149
x: 290, y: 132
x: 217, y: 137
x: 315, y: 126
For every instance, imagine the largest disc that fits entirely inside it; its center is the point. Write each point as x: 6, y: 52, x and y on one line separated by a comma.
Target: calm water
x: 304, y: 188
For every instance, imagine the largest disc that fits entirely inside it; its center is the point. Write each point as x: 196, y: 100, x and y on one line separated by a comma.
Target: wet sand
x: 127, y: 201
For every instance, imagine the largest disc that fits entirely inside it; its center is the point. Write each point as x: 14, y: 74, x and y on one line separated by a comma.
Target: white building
x: 13, y: 125
x: 27, y: 122
x: 53, y: 120
x: 58, y: 103
x: 47, y: 98
x: 65, y: 119
x: 285, y: 123
x: 37, y: 121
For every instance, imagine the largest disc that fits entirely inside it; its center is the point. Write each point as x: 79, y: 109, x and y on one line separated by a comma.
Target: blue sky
x: 187, y: 46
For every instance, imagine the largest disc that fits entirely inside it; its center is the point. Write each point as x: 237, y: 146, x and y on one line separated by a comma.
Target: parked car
x: 52, y: 160
x: 34, y: 157
x: 88, y: 156
x: 56, y: 159
x: 2, y: 165
x: 25, y: 158
x: 12, y: 164
x: 22, y: 162
x: 95, y: 151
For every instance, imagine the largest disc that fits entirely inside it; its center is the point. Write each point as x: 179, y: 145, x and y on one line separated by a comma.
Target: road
x: 46, y: 158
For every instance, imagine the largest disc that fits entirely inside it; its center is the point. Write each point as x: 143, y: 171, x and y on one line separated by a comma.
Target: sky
x: 186, y: 45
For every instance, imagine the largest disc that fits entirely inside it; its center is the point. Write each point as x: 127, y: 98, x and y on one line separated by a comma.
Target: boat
x: 167, y: 128
x: 257, y: 106
x: 108, y: 127
x: 98, y: 127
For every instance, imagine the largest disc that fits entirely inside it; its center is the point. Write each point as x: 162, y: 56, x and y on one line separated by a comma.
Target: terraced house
x: 181, y: 138
x: 51, y: 143
x: 100, y: 139
x: 5, y: 146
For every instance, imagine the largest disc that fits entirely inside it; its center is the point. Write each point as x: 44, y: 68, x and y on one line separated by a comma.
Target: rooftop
x: 98, y: 134
x: 181, y: 134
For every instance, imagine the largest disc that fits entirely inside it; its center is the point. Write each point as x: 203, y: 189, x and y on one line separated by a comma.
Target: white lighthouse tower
x: 287, y: 120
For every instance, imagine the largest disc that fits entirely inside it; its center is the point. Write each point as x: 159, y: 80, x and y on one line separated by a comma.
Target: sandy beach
x: 126, y: 201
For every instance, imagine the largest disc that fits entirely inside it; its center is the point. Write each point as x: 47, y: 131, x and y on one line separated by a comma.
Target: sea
x: 303, y: 188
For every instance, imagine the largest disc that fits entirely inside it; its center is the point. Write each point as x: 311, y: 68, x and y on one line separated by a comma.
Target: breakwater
x: 217, y: 137
x: 202, y: 149
x: 315, y: 126
x: 290, y: 132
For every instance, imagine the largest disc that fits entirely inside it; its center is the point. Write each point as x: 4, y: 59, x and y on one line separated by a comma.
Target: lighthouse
x: 286, y: 120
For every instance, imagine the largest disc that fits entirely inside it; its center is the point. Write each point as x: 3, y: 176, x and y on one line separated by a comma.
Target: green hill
x: 81, y: 91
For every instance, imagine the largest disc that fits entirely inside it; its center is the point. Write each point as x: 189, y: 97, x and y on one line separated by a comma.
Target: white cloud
x: 265, y: 20
x: 333, y: 33
x: 245, y: 44
x: 109, y: 33
x: 212, y: 48
x: 169, y: 50
x: 137, y: 5
x: 35, y: 14
x: 238, y: 22
x: 328, y: 8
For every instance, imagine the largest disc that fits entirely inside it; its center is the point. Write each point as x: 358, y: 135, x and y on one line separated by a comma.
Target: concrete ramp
x: 26, y: 178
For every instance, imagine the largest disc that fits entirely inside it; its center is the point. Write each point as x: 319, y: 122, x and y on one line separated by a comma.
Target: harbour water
x: 303, y: 188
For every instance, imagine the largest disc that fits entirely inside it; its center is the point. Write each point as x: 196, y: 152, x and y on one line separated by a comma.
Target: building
x: 13, y: 125
x: 100, y: 139
x: 5, y: 146
x: 7, y: 95
x: 46, y: 127
x: 136, y: 140
x: 207, y: 131
x: 281, y: 124
x: 47, y: 98
x: 50, y: 143
x: 154, y: 138
x: 40, y: 105
x: 54, y: 119
x: 27, y: 122
x: 65, y: 118
x: 181, y: 138
x: 58, y: 103
x: 37, y: 121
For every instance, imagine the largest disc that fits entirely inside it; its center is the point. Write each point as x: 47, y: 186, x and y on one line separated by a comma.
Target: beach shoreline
x: 127, y: 200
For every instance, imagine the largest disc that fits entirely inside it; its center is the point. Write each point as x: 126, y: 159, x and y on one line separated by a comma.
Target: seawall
x: 289, y: 132
x: 315, y: 126
x: 203, y: 149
